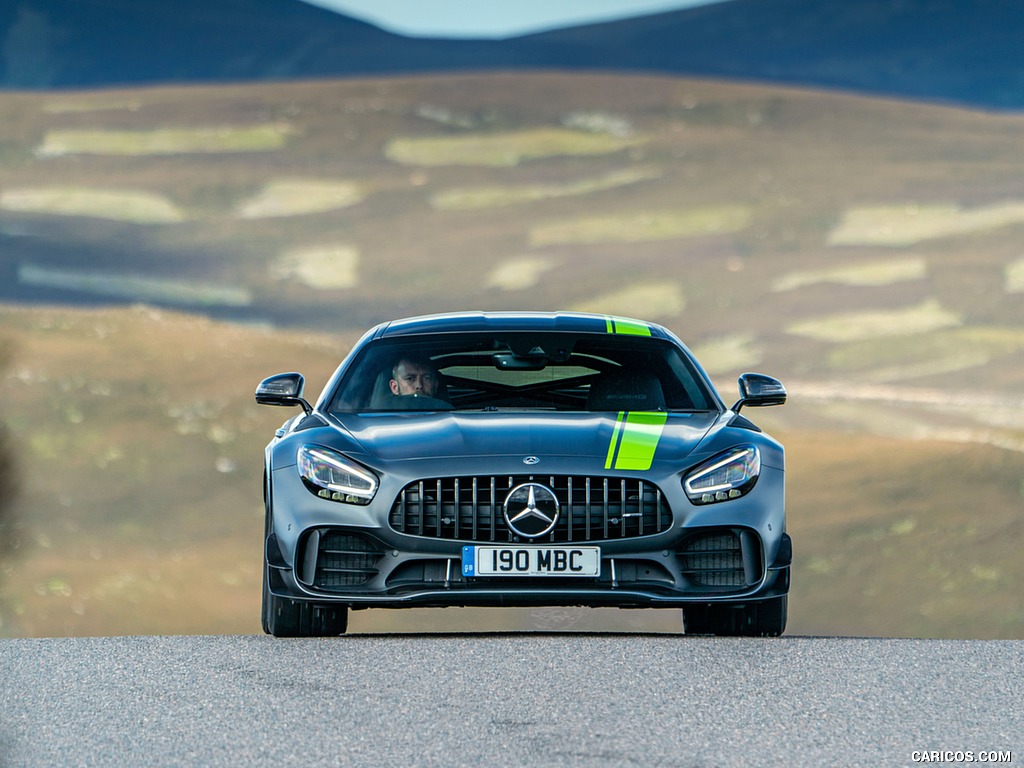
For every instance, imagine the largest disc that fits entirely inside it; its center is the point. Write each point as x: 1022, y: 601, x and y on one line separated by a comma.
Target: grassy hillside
x: 832, y: 239
x: 867, y: 252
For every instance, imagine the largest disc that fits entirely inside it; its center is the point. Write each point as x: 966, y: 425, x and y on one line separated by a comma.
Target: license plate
x: 531, y: 561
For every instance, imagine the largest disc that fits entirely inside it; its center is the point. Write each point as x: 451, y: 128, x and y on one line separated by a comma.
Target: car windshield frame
x: 526, y: 371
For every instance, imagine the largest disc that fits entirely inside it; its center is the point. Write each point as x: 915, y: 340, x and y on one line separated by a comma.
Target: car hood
x: 618, y: 440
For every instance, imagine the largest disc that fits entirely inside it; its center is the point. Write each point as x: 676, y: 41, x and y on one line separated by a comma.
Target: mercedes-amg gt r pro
x: 524, y: 459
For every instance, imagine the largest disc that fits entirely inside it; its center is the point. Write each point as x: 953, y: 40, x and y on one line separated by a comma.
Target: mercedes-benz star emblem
x: 531, y: 510
x: 531, y: 460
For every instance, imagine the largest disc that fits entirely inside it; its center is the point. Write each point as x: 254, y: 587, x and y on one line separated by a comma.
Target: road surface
x: 537, y: 699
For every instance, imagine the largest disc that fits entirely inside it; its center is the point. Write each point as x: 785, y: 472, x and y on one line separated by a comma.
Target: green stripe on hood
x: 635, y: 439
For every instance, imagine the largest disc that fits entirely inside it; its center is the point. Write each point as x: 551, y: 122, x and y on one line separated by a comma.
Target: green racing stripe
x: 635, y: 439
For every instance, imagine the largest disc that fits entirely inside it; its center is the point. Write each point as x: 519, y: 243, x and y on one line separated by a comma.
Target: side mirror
x: 757, y: 390
x: 283, y: 389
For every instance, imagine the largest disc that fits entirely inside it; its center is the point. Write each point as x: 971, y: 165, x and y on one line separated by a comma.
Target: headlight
x: 727, y: 476
x: 331, y: 476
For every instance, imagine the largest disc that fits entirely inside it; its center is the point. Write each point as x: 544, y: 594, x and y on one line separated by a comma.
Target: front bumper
x: 354, y: 569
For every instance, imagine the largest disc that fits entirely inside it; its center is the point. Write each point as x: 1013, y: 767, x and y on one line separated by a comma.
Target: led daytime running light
x: 725, y: 477
x: 333, y: 477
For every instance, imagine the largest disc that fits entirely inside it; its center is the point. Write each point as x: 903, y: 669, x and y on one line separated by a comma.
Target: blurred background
x: 196, y: 195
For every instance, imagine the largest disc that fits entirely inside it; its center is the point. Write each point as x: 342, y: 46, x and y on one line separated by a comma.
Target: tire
x: 282, y: 617
x: 293, y: 618
x: 762, y: 619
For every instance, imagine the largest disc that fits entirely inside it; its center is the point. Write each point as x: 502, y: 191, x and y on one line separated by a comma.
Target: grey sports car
x: 524, y: 459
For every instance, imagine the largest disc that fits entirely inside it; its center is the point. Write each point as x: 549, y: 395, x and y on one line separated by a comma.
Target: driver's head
x: 414, y: 376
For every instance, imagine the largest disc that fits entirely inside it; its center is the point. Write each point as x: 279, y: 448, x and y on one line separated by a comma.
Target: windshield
x: 550, y: 371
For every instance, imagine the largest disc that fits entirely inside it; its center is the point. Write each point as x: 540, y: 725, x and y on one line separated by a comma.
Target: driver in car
x: 414, y: 376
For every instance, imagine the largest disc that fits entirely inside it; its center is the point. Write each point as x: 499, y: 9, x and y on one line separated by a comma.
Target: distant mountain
x: 967, y: 51
x: 960, y: 51
x: 87, y: 43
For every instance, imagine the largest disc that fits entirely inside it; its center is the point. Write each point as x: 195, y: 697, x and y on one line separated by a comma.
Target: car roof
x: 573, y: 322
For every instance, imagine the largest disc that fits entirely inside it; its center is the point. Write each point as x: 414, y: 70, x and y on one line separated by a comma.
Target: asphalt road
x: 507, y: 699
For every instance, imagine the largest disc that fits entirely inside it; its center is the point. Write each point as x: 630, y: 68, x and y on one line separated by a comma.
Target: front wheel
x: 766, y: 618
x: 293, y: 618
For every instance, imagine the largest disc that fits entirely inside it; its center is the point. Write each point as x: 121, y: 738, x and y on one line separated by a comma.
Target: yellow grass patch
x: 503, y: 149
x: 898, y: 358
x: 729, y: 353
x: 1015, y: 277
x: 296, y: 197
x: 179, y: 292
x: 898, y: 226
x: 867, y: 274
x: 79, y: 105
x: 642, y: 300
x: 885, y: 418
x: 474, y: 198
x: 647, y: 226
x: 947, y: 363
x: 136, y: 206
x: 165, y: 141
x: 854, y: 326
x: 517, y: 274
x: 331, y: 267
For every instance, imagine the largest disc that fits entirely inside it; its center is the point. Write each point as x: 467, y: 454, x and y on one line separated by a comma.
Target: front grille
x: 714, y: 559
x: 591, y: 508
x: 334, y: 559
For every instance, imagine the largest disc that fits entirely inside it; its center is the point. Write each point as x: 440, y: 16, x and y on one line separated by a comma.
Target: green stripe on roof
x: 626, y: 326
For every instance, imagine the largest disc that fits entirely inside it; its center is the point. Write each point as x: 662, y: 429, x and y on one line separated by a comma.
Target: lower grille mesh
x: 591, y: 508
x: 714, y: 559
x: 343, y: 559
